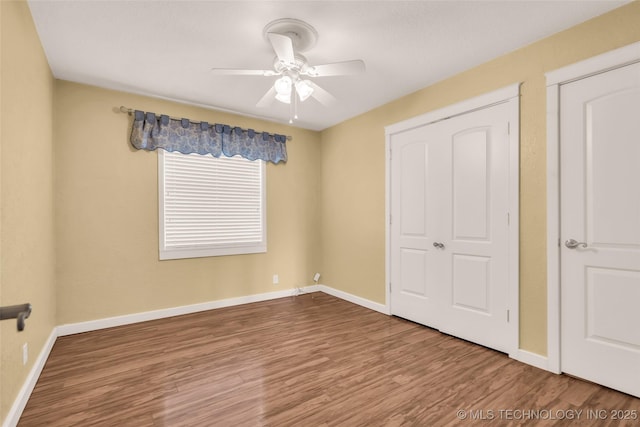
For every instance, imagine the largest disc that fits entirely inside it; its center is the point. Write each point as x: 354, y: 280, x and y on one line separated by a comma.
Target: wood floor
x: 312, y: 360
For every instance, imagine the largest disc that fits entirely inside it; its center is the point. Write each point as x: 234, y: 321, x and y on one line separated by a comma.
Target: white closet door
x: 418, y: 174
x: 449, y: 231
x: 600, y: 228
x: 475, y: 227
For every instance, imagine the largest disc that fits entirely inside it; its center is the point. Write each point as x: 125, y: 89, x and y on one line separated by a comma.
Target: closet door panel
x: 416, y: 216
x: 475, y: 261
x: 471, y: 185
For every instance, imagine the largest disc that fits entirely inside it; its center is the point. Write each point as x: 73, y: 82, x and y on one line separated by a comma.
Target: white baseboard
x: 305, y: 290
x: 25, y: 391
x: 371, y: 305
x: 533, y: 359
x: 109, y: 322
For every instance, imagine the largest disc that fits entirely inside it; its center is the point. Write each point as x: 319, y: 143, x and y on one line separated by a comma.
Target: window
x: 210, y: 206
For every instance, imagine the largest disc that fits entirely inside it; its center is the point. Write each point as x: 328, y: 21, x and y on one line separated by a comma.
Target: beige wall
x: 93, y: 199
x: 107, y: 214
x: 353, y: 165
x: 27, y: 266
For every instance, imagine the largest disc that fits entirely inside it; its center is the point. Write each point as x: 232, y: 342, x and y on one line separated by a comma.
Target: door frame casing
x: 602, y: 63
x: 509, y: 94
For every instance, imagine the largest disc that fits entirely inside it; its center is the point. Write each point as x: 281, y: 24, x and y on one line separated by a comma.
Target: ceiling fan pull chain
x: 292, y: 106
x: 294, y: 93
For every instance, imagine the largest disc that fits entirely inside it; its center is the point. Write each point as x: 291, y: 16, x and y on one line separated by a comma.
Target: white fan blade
x: 241, y: 72
x: 336, y: 69
x: 283, y: 46
x: 324, y: 97
x: 268, y: 98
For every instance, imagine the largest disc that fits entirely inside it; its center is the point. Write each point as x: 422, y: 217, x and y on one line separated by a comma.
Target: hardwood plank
x: 311, y: 360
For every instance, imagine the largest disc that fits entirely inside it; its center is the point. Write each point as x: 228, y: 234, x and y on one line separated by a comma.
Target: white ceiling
x: 166, y: 49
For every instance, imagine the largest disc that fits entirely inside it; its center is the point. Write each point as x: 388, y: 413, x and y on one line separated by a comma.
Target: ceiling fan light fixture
x: 283, y: 85
x: 286, y: 99
x: 304, y: 89
x: 283, y: 89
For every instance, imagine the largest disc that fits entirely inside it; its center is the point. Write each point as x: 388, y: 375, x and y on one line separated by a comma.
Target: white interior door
x: 416, y: 217
x: 600, y: 228
x: 449, y: 230
x: 474, y: 228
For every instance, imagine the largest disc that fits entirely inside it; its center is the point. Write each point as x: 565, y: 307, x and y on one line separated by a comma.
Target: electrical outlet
x: 276, y: 279
x: 25, y: 353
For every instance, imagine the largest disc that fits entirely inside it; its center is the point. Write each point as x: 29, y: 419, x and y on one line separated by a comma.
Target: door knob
x: 572, y: 244
x: 438, y: 245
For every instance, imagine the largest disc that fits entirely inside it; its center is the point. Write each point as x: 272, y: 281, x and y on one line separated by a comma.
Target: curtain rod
x: 130, y: 111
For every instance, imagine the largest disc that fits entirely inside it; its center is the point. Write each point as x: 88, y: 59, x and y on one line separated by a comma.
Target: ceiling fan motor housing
x: 298, y: 67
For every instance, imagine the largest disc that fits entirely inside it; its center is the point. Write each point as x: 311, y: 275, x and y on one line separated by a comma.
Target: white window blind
x: 210, y: 206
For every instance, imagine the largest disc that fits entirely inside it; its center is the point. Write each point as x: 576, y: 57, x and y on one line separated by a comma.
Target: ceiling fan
x: 289, y: 37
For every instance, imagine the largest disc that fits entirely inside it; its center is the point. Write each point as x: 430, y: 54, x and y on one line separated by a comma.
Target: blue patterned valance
x: 151, y: 131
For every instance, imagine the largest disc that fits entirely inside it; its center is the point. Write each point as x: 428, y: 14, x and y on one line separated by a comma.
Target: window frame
x: 213, y: 250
